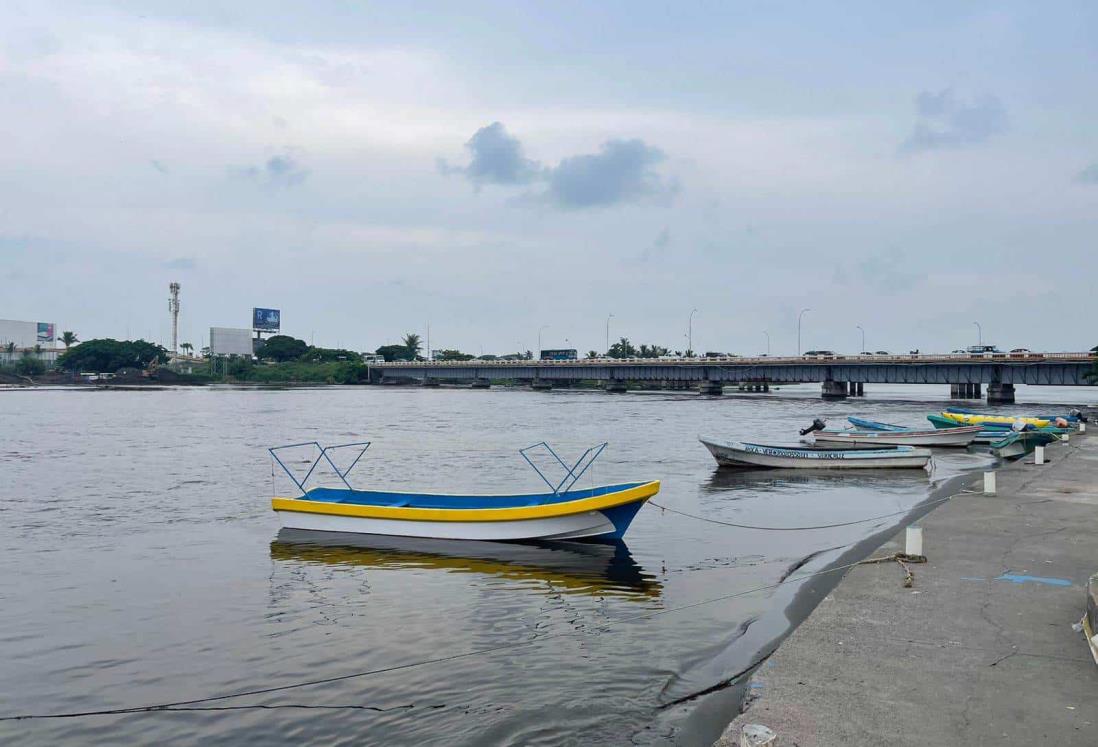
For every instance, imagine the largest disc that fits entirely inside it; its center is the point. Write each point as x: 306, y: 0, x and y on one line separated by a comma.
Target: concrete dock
x: 980, y: 651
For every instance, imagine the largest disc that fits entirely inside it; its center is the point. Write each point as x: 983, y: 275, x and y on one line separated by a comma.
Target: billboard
x: 228, y: 341
x: 266, y: 320
x: 45, y: 332
x: 568, y: 354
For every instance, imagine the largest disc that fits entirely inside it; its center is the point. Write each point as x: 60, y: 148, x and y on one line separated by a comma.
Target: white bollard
x: 989, y: 483
x: 914, y: 541
x: 1082, y: 427
x: 1065, y: 438
x: 1039, y: 455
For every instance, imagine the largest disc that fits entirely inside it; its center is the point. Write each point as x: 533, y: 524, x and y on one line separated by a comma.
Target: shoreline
x: 873, y: 658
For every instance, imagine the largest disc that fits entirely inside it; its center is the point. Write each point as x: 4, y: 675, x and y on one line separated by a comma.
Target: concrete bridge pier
x: 861, y: 388
x: 855, y: 388
x: 481, y: 384
x: 711, y: 387
x: 1000, y: 394
x: 614, y: 386
x: 541, y: 385
x: 964, y: 391
x: 833, y: 390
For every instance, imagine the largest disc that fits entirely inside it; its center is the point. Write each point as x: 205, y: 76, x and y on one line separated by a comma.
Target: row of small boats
x: 565, y: 512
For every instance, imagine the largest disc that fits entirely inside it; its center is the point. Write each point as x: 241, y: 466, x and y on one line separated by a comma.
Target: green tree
x: 68, y: 339
x: 622, y: 349
x: 187, y: 347
x: 10, y: 348
x: 29, y: 365
x: 592, y: 354
x: 283, y: 348
x: 412, y: 345
x: 652, y: 351
x: 393, y: 352
x: 107, y: 355
x: 453, y: 355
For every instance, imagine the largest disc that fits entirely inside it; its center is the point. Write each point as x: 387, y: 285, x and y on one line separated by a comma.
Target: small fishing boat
x: 997, y: 428
x: 743, y: 455
x: 1019, y: 443
x: 874, y: 425
x: 973, y: 419
x: 851, y: 439
x: 603, y: 512
x: 1072, y: 416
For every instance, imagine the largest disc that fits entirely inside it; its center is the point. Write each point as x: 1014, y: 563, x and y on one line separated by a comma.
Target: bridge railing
x: 766, y: 360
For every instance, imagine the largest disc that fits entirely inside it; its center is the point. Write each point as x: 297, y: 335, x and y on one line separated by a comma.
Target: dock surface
x: 980, y: 651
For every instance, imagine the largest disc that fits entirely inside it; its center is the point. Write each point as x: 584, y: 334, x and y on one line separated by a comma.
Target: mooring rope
x: 797, y: 529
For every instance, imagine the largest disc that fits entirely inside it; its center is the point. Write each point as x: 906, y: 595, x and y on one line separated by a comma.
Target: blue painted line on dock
x: 1035, y: 579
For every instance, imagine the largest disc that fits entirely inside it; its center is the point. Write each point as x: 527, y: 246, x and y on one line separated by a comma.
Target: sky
x: 501, y: 171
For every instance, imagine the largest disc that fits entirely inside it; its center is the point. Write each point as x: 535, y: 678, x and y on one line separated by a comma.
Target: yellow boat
x: 968, y: 419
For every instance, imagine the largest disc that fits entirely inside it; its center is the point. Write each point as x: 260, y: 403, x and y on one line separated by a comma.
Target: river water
x: 142, y: 565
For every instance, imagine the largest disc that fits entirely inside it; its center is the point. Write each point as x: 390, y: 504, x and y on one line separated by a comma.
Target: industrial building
x: 18, y: 338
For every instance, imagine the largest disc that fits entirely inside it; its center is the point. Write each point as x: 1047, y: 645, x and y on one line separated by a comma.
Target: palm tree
x: 412, y: 345
x: 187, y: 347
x: 68, y: 338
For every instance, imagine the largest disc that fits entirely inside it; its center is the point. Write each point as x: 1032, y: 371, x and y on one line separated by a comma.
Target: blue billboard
x: 266, y: 320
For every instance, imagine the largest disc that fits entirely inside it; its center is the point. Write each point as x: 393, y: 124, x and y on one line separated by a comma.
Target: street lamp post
x: 979, y: 334
x: 543, y: 327
x: 690, y: 332
x: 863, y: 339
x: 767, y: 343
x: 799, y: 316
x: 608, y: 333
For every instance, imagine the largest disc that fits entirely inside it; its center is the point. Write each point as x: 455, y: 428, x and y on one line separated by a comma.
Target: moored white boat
x: 602, y: 512
x: 851, y: 439
x: 744, y: 455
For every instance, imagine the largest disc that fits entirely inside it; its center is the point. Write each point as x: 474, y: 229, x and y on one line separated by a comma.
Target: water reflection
x: 570, y: 567
x: 780, y: 480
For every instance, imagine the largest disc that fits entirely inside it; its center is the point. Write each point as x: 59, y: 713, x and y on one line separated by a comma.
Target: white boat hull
x: 572, y: 526
x: 959, y: 437
x: 756, y: 456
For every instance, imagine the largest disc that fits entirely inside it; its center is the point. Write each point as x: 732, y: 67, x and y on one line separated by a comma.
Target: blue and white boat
x: 874, y: 425
x: 603, y: 512
x: 743, y: 455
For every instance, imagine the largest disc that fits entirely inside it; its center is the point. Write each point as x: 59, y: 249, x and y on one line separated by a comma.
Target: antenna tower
x: 173, y: 307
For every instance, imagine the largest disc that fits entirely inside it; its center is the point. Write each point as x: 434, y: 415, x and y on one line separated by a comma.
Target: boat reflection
x: 773, y: 480
x: 604, y: 569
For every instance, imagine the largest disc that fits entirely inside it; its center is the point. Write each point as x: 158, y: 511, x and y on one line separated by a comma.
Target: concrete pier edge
x: 875, y: 663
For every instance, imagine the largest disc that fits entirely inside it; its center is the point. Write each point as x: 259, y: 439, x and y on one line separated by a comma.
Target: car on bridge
x: 819, y: 354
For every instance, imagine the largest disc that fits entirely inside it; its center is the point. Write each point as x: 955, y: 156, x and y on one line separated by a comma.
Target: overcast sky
x: 496, y: 168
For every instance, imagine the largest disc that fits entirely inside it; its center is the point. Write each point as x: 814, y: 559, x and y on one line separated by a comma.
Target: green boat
x: 1019, y: 443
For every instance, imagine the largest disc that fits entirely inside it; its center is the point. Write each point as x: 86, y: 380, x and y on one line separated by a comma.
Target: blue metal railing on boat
x: 323, y: 455
x: 570, y: 472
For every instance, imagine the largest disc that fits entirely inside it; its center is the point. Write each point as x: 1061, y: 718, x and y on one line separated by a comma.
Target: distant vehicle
x: 819, y: 354
x: 982, y: 349
x: 372, y: 358
x: 559, y: 355
x: 1021, y: 353
x: 1021, y: 350
x: 958, y: 352
x: 882, y: 352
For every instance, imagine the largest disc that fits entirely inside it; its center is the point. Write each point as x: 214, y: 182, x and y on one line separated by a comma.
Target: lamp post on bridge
x: 608, y: 333
x: 767, y: 343
x: 799, y: 316
x: 979, y: 334
x: 540, y: 329
x: 690, y: 332
x: 863, y: 338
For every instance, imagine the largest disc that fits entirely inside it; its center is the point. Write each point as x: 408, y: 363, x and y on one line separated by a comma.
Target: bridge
x: 840, y: 376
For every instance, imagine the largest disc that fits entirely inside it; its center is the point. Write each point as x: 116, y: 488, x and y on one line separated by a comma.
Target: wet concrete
x: 981, y: 650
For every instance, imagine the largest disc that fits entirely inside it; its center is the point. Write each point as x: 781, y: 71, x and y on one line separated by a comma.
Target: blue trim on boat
x: 621, y: 517
x: 874, y: 425
x: 428, y: 500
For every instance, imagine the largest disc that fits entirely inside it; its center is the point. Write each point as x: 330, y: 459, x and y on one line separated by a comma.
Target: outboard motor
x: 817, y: 425
x: 1078, y: 414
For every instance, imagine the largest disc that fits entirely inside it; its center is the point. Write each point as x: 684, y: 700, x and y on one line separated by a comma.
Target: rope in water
x: 796, y: 529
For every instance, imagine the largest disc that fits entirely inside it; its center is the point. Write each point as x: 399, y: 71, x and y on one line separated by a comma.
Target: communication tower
x: 173, y: 307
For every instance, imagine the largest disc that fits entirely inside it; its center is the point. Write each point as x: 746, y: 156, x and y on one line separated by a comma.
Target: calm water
x: 142, y: 565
